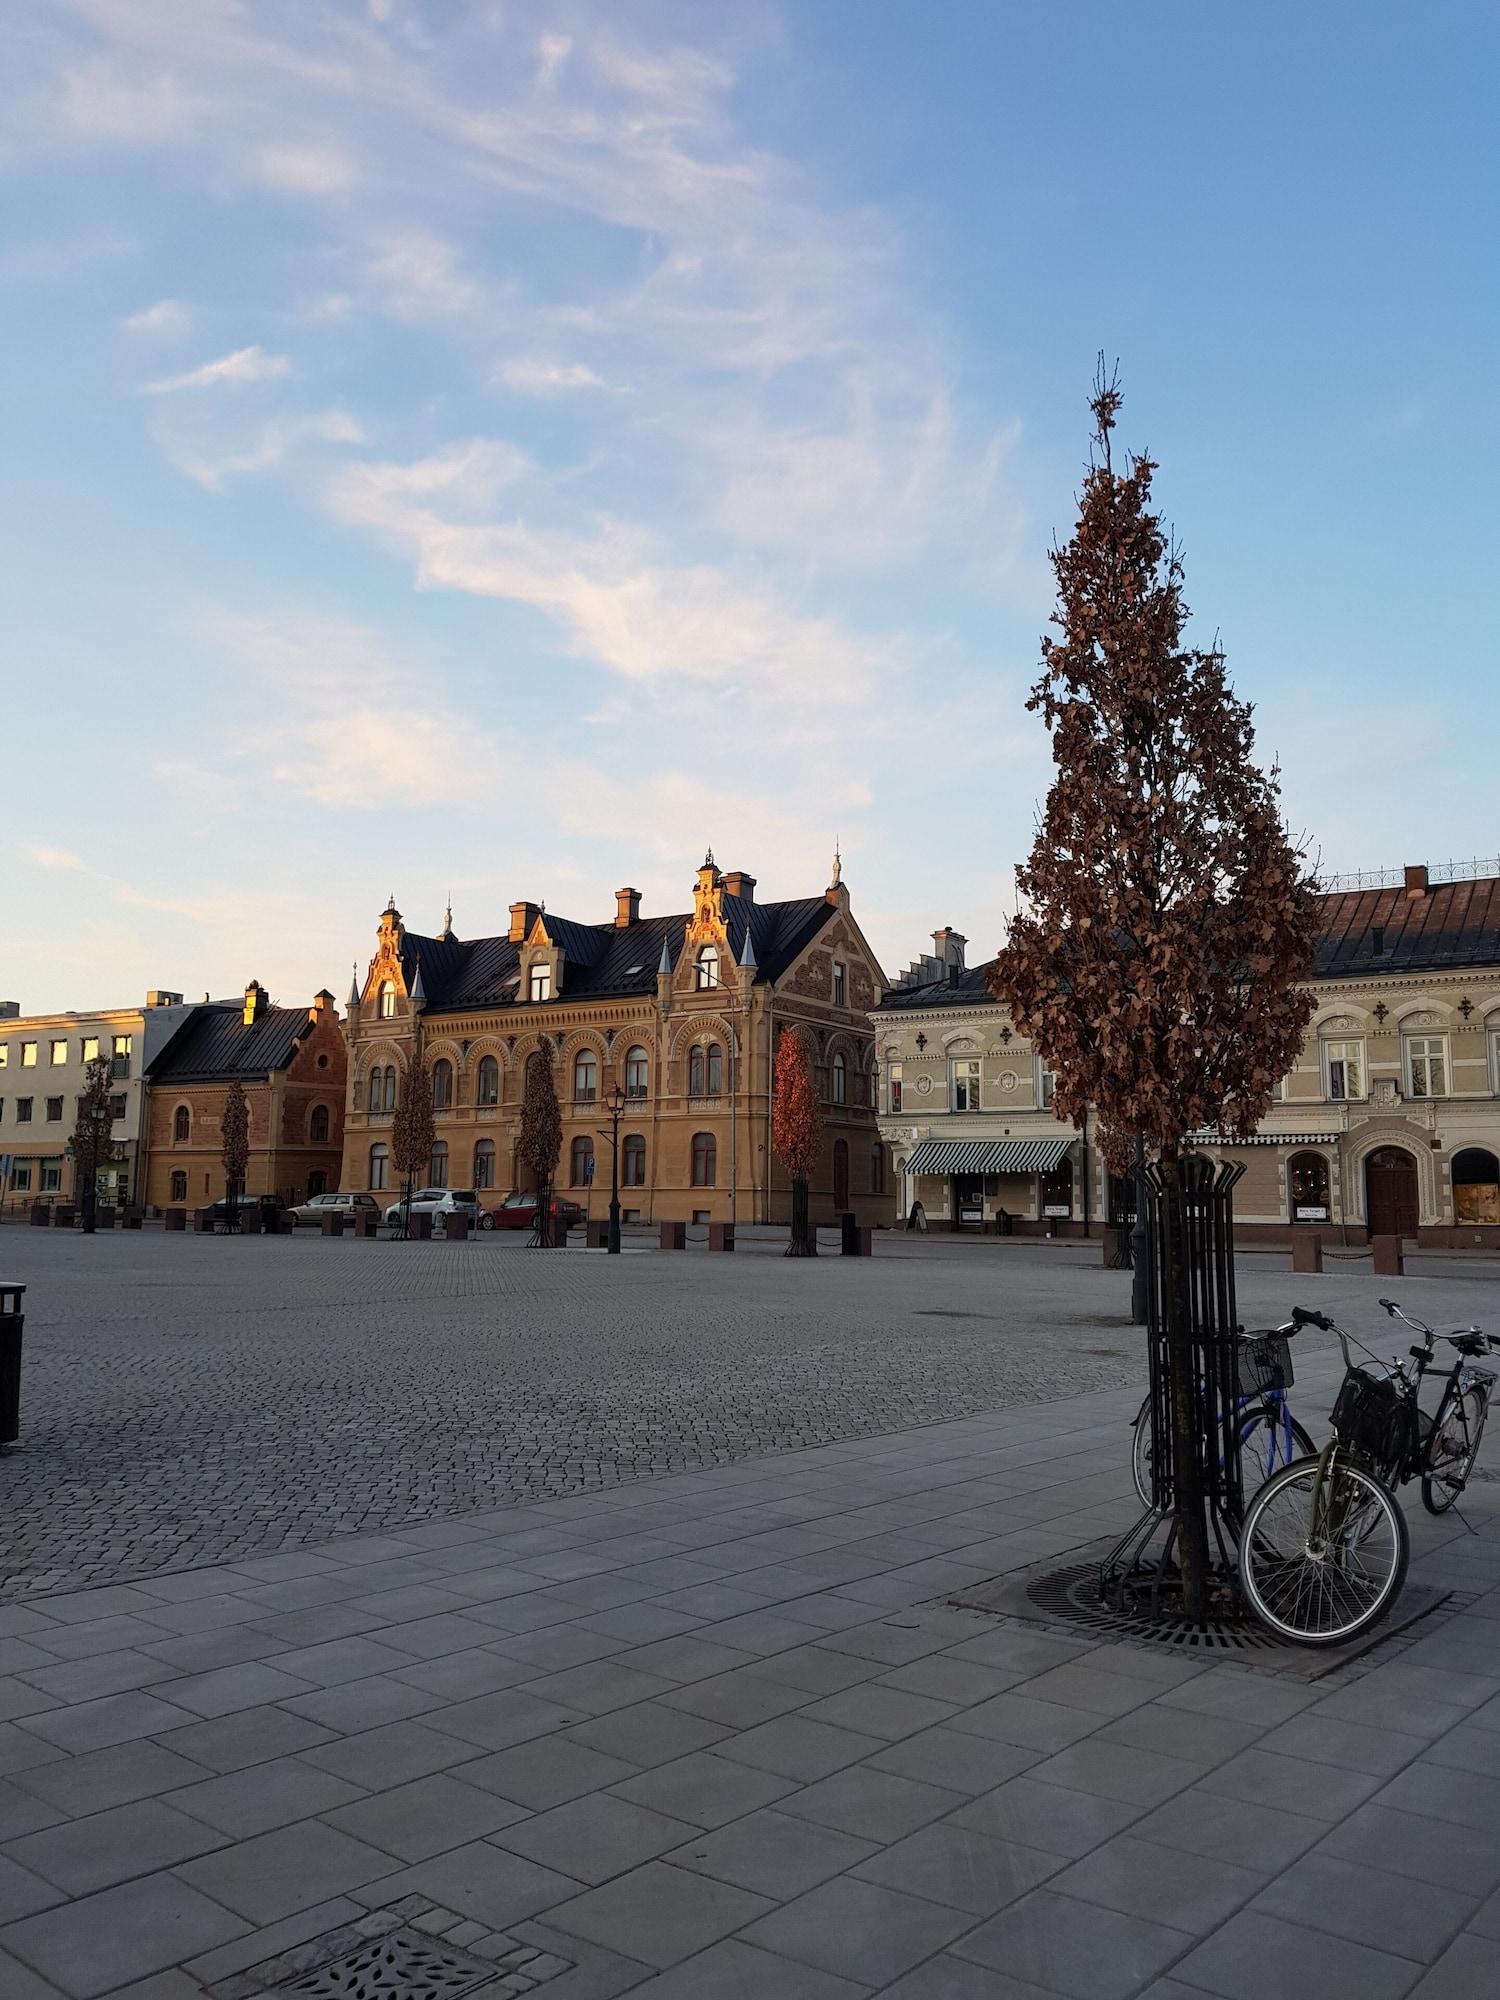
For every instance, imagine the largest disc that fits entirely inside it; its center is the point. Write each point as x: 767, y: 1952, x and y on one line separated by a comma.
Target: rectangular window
x: 893, y: 1086
x: 966, y: 1084
x: 1344, y: 1069
x: 59, y: 1054
x: 4, y: 1055
x: 23, y: 1110
x: 119, y: 1064
x: 1278, y: 1091
x: 840, y: 984
x: 1427, y: 1066
x: 54, y: 1110
x: 541, y: 982
x: 117, y: 1106
x: 51, y: 1177
x: 1045, y: 1082
x: 20, y: 1179
x: 28, y: 1055
x: 91, y: 1048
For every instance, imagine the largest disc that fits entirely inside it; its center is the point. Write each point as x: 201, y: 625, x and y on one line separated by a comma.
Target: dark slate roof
x: 971, y: 989
x: 1366, y: 932
x: 1454, y: 924
x: 213, y: 1045
x: 601, y: 960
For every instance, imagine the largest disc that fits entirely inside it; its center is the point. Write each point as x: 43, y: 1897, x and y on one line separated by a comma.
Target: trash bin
x: 12, y: 1320
x: 1004, y: 1223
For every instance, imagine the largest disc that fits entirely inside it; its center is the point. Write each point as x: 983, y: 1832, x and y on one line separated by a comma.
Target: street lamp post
x: 614, y: 1103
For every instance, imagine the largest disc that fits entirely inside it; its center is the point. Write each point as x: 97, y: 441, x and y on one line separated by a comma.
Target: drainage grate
x: 402, y: 1965
x: 1074, y: 1594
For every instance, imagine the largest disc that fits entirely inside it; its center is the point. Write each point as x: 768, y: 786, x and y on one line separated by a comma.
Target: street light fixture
x: 614, y: 1102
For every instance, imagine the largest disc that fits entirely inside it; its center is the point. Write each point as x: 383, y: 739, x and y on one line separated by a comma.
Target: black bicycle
x: 1266, y: 1434
x: 1324, y: 1544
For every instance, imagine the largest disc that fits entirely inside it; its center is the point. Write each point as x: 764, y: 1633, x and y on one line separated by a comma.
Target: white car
x: 437, y: 1201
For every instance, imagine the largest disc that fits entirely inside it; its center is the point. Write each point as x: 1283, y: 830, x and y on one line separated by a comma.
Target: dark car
x: 268, y: 1204
x: 518, y: 1211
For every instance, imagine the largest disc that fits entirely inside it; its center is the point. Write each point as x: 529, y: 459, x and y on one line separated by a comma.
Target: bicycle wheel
x: 1142, y: 1444
x: 1321, y: 1581
x: 1263, y: 1447
x: 1452, y: 1448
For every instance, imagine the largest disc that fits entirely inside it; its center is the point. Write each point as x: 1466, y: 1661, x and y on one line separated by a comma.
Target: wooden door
x: 1391, y: 1192
x: 840, y: 1175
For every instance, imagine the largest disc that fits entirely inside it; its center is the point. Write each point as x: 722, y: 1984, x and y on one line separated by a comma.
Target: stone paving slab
x: 772, y: 1786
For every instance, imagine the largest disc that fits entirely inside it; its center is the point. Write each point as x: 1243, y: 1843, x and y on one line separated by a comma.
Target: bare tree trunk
x: 801, y: 1242
x: 1182, y: 1392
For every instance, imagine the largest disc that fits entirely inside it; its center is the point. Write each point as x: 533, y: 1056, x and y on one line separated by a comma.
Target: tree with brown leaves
x: 1167, y: 917
x: 412, y: 1133
x: 541, y: 1139
x: 93, y: 1146
x: 234, y: 1147
x: 797, y: 1132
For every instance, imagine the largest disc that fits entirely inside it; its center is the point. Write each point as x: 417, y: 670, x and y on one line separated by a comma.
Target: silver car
x: 440, y: 1201
x: 347, y: 1205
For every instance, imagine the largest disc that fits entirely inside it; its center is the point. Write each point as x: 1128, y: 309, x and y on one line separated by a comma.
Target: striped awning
x: 987, y: 1156
x: 1266, y: 1139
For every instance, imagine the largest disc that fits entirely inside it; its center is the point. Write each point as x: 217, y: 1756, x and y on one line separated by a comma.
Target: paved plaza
x: 707, y: 1724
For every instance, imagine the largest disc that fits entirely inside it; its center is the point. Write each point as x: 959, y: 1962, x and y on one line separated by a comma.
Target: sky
x: 503, y: 449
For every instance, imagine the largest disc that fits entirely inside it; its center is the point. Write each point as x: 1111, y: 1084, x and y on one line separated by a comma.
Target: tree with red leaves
x: 797, y: 1132
x: 1167, y: 916
x: 541, y: 1139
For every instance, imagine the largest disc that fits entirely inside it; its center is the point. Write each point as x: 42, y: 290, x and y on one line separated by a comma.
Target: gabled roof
x: 1454, y: 924
x: 970, y: 989
x: 214, y: 1046
x: 602, y: 959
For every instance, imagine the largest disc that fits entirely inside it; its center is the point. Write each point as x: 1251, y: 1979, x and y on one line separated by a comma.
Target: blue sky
x: 504, y: 448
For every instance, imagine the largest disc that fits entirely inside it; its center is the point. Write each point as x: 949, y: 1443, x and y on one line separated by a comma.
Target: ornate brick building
x: 679, y: 1012
x: 1389, y: 1122
x: 291, y: 1061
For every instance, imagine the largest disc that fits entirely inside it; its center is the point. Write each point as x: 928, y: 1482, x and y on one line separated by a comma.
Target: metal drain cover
x: 1074, y: 1594
x: 402, y: 1965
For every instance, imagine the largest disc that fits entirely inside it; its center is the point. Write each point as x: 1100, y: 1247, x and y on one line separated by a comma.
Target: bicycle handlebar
x: 1304, y: 1316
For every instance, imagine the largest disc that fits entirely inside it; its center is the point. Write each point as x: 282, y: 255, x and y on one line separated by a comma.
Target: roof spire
x: 664, y: 964
x: 838, y: 863
x: 748, y: 960
x: 708, y: 859
x: 354, y: 990
x: 418, y: 991
x: 447, y: 930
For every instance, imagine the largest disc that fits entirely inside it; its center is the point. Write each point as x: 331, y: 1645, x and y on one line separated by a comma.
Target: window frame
x: 539, y: 982
x: 633, y: 1148
x: 706, y: 972
x: 29, y: 1055
x: 319, y: 1112
x: 705, y: 1160
x: 385, y: 1000
x: 182, y: 1125
x: 893, y: 1087
x: 840, y: 983
x: 637, y: 1058
x: 484, y: 1164
x: 57, y: 1053
x: 379, y: 1158
x: 1350, y: 1048
x: 444, y: 1068
x: 54, y: 1111
x: 973, y: 1076
x: 388, y: 1088
x: 176, y: 1192
x: 838, y: 1078
x: 489, y: 1066
x: 1434, y: 1049
x: 580, y: 1158
x: 585, y: 1061
x: 877, y: 1166
x: 438, y: 1165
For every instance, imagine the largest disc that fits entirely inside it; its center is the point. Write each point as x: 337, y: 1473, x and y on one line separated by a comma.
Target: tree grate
x: 405, y: 1965
x: 1073, y: 1594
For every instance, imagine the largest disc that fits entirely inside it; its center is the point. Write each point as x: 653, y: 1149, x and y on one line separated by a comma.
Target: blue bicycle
x: 1269, y: 1436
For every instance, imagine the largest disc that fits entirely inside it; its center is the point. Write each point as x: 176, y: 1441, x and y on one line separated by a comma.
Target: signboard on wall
x: 1309, y: 1212
x: 1062, y: 1210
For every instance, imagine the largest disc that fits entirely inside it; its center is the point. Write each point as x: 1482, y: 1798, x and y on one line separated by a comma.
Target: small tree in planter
x: 234, y: 1148
x: 93, y: 1146
x: 1167, y: 916
x: 541, y: 1139
x: 412, y: 1134
x: 797, y: 1132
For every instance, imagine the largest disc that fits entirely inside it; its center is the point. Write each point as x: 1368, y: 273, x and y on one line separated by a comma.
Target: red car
x: 518, y: 1211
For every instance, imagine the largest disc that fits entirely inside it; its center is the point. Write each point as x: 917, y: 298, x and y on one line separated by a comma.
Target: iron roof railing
x: 1394, y: 878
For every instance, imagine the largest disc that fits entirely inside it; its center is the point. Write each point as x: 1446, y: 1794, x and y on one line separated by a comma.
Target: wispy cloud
x: 213, y: 450
x: 314, y: 167
x: 168, y: 319
x: 59, y: 858
x: 245, y: 364
x: 537, y: 375
x: 417, y: 276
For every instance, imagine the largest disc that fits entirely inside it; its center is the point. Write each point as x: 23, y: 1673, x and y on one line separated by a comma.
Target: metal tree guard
x: 1190, y: 1258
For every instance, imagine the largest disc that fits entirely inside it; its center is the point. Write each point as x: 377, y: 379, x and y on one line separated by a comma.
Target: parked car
x: 347, y: 1205
x: 438, y: 1201
x: 518, y: 1211
x: 268, y: 1204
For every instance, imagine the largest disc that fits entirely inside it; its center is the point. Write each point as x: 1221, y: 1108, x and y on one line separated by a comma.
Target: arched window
x: 179, y: 1185
x: 877, y: 1168
x: 633, y: 1161
x: 1307, y: 1187
x: 838, y: 1078
x: 1476, y: 1186
x: 585, y: 1078
x: 637, y: 1073
x: 388, y: 1088
x: 695, y: 1071
x: 841, y: 1173
x: 442, y: 1085
x: 489, y: 1081
x: 715, y: 1069
x: 705, y: 1159
x: 708, y: 967
x: 182, y: 1125
x: 317, y: 1183
x: 317, y: 1126
x: 372, y: 1098
x: 581, y: 1161
x: 379, y: 1160
x: 484, y: 1163
x: 437, y: 1166
x: 387, y: 1000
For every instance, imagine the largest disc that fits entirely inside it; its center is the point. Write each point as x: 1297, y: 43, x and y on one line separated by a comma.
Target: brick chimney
x: 256, y: 1002
x: 322, y: 1005
x: 948, y: 945
x: 738, y: 883
x: 522, y: 917
x: 1416, y: 881
x: 627, y: 908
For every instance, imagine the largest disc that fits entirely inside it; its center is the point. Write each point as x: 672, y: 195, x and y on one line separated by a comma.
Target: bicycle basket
x: 1262, y: 1361
x: 1370, y: 1415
